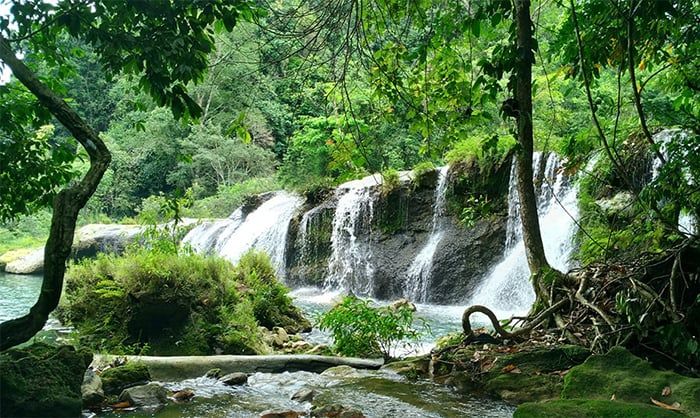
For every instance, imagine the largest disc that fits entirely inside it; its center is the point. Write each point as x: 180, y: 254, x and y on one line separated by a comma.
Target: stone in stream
x: 151, y: 394
x: 341, y: 371
x: 304, y: 395
x: 234, y: 379
x: 183, y: 395
x: 280, y: 413
x: 213, y: 373
x: 116, y: 379
x: 335, y: 411
x: 91, y: 389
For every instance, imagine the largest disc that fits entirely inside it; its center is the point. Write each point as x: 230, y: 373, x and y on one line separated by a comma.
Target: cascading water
x: 264, y: 229
x: 420, y: 272
x: 350, y: 266
x: 687, y: 222
x: 506, y: 289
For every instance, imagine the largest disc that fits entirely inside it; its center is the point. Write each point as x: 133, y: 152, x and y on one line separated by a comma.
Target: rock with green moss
x: 630, y: 379
x: 588, y: 408
x: 116, y: 379
x: 532, y: 374
x: 42, y: 381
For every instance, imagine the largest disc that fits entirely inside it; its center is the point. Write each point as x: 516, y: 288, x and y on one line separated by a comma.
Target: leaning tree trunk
x: 66, y: 205
x: 534, y: 249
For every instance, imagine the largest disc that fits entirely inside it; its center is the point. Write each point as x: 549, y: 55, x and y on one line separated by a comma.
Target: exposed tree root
x: 649, y: 305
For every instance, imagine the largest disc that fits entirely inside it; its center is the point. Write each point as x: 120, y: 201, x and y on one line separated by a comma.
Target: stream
x: 376, y: 393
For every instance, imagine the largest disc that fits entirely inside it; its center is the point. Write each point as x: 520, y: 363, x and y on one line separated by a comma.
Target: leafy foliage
x: 361, y: 330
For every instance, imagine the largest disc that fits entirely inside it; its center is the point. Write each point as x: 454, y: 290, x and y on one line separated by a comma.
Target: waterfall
x: 506, y: 289
x: 264, y: 229
x: 420, y: 272
x: 350, y: 265
x: 687, y: 222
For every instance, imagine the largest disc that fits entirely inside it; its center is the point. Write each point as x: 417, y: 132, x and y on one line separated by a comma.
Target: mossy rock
x: 534, y: 379
x: 42, y: 381
x: 116, y: 379
x: 630, y: 379
x: 524, y: 387
x: 588, y: 408
x: 412, y: 368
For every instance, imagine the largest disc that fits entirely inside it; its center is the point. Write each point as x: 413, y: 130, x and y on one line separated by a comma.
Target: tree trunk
x: 66, y: 205
x: 534, y: 249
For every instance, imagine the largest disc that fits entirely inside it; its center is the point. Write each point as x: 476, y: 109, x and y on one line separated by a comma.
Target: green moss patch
x: 42, y: 381
x: 586, y: 408
x: 630, y: 379
x: 116, y: 379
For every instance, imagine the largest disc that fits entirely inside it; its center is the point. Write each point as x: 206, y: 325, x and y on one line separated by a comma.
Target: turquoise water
x: 17, y: 294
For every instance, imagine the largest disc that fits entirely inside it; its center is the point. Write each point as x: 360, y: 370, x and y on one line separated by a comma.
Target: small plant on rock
x: 362, y: 330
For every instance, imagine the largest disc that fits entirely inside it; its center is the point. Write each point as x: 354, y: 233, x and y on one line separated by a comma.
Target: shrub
x: 480, y: 148
x: 361, y: 330
x: 421, y: 170
x: 175, y: 304
x: 390, y: 181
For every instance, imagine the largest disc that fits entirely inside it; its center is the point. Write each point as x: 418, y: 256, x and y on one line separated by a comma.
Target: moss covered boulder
x: 513, y: 375
x: 590, y: 408
x: 116, y: 379
x: 631, y: 379
x: 42, y: 381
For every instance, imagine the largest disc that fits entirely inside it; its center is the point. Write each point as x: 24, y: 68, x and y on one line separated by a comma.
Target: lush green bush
x: 390, y: 181
x: 421, y: 171
x: 228, y: 198
x: 175, y: 303
x: 480, y: 147
x: 362, y: 330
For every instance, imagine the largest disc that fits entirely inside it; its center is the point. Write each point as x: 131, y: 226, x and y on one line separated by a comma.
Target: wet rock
x: 151, y: 394
x: 91, y: 389
x: 341, y: 371
x: 280, y: 413
x: 116, y: 379
x: 234, y: 379
x: 403, y: 303
x: 183, y: 395
x: 335, y: 411
x: 213, y: 373
x: 304, y: 395
x: 279, y: 337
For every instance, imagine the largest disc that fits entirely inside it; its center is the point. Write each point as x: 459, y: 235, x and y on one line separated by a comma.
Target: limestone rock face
x: 397, y: 229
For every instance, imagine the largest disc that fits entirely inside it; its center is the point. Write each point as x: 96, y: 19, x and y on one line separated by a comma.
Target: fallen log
x: 185, y: 367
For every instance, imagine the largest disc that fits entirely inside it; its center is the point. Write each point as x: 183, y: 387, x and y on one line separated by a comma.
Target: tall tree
x: 164, y: 43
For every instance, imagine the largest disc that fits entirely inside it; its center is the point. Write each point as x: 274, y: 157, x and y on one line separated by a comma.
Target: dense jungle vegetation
x: 247, y: 97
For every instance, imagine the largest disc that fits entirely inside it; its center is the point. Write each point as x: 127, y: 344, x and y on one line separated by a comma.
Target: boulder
x: 14, y: 255
x: 403, y: 303
x: 151, y: 394
x: 341, y: 371
x: 30, y: 262
x: 304, y: 395
x: 280, y: 413
x: 183, y: 395
x: 42, y: 381
x: 587, y: 408
x: 116, y: 379
x: 89, y: 240
x: 91, y: 389
x: 335, y: 411
x: 214, y: 373
x: 630, y: 379
x: 234, y: 379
